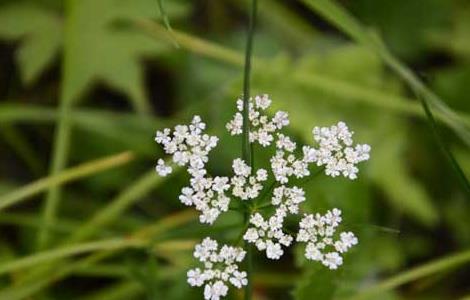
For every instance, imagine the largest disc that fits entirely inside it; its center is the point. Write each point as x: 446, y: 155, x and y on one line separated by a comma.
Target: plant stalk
x: 247, y: 147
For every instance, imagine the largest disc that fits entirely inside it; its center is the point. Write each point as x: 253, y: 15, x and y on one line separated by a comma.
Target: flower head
x: 336, y: 151
x: 189, y: 146
x: 245, y: 185
x: 220, y: 269
x: 267, y: 235
x: 262, y: 127
x: 319, y: 233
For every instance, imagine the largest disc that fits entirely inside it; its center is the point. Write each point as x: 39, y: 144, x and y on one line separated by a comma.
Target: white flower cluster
x: 261, y: 127
x: 246, y: 186
x: 336, y: 152
x: 190, y: 146
x: 268, y: 235
x: 208, y: 196
x: 284, y: 166
x: 287, y: 200
x: 220, y: 268
x: 319, y: 232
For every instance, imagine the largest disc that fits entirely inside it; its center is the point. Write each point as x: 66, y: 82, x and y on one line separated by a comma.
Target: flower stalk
x: 247, y: 147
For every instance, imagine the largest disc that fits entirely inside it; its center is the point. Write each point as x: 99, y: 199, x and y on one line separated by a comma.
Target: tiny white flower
x: 215, y: 291
x: 273, y: 250
x: 162, y: 169
x: 332, y: 260
x: 195, y: 277
x: 281, y: 119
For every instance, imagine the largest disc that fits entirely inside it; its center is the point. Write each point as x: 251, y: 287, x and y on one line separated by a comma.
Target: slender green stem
x: 166, y: 21
x: 445, y: 149
x: 61, y: 146
x: 247, y: 147
x: 59, y: 159
x: 248, y: 262
x: 339, y: 17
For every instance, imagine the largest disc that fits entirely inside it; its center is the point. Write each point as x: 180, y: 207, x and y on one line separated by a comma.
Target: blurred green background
x: 89, y: 82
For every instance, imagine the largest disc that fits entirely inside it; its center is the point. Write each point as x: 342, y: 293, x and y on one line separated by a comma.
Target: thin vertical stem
x: 166, y: 22
x: 446, y: 151
x: 249, y: 265
x: 60, y: 148
x: 247, y: 147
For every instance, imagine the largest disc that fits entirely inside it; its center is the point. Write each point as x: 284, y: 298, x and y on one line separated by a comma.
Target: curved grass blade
x: 166, y: 22
x: 338, y: 16
x: 41, y: 280
x: 345, y: 90
x: 443, y: 264
x: 67, y: 251
x: 83, y: 170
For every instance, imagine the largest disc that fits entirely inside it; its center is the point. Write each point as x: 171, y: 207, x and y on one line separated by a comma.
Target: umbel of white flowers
x: 333, y: 151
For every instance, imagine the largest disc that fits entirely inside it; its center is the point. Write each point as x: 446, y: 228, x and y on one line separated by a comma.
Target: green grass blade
x: 121, y: 291
x: 117, y: 206
x: 349, y: 25
x: 22, y: 148
x: 41, y: 280
x: 433, y: 267
x: 452, y: 161
x: 346, y: 90
x: 86, y: 169
x: 32, y: 220
x: 112, y: 212
x: 67, y: 251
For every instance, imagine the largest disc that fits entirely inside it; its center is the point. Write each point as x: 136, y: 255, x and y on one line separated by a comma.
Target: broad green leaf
x: 40, y: 37
x: 102, y: 45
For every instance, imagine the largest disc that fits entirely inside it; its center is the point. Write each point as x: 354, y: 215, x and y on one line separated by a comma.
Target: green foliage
x: 405, y: 25
x: 116, y: 51
x: 406, y: 208
x: 40, y: 38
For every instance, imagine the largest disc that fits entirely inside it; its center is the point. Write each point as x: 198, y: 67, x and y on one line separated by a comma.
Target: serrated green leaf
x: 41, y: 37
x: 98, y: 48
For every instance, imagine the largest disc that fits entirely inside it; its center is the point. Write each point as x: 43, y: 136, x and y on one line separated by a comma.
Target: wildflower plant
x: 268, y: 205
